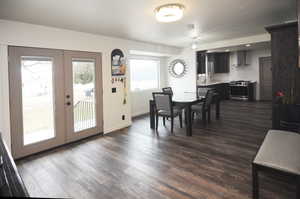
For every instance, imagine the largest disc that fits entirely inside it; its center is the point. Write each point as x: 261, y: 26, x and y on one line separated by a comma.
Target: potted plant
x: 288, y: 111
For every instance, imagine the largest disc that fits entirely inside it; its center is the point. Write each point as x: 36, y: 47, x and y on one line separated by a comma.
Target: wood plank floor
x: 138, y: 163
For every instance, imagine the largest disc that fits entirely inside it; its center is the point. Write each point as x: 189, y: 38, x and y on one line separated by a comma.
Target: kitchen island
x: 220, y: 87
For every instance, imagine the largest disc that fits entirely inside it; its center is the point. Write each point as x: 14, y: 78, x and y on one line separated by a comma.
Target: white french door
x: 83, y: 94
x: 55, y: 98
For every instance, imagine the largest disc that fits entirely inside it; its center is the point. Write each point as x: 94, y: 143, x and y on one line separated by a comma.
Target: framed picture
x: 118, y: 63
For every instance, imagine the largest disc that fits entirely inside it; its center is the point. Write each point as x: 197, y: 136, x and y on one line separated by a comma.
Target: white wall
x: 249, y: 72
x: 22, y: 34
x: 4, y: 97
x: 188, y: 82
x: 140, y: 99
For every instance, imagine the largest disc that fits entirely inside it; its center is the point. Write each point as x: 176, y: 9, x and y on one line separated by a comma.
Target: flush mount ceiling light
x: 169, y: 12
x: 194, y: 45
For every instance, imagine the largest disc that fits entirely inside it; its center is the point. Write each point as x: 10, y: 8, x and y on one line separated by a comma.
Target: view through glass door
x: 83, y: 94
x: 51, y: 102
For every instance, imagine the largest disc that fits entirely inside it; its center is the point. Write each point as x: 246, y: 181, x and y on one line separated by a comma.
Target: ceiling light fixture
x: 194, y: 46
x: 248, y: 45
x: 169, y: 13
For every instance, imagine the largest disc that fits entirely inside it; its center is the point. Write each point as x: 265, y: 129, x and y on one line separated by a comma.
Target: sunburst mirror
x: 178, y: 68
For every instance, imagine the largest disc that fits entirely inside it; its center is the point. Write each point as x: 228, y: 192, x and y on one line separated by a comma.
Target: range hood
x: 240, y: 58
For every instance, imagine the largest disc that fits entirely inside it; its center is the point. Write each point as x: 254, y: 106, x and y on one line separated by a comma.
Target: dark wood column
x: 285, y: 70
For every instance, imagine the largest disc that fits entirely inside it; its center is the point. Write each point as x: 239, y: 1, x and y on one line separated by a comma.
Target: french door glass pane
x: 83, y: 94
x: 37, y: 99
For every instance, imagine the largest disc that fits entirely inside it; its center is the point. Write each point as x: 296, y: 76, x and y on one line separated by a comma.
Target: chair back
x: 163, y: 101
x: 202, y: 91
x: 208, y: 99
x: 168, y: 90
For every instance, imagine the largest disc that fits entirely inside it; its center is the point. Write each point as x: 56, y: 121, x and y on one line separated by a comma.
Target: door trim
x: 15, y: 93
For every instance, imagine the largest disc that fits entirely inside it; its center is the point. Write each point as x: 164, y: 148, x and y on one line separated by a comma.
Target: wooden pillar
x: 285, y: 70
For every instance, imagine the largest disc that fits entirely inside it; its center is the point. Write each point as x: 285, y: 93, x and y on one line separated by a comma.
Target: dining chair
x: 165, y: 109
x: 168, y: 90
x: 204, y: 108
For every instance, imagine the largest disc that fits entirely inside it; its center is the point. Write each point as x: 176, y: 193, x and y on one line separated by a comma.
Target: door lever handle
x: 68, y: 103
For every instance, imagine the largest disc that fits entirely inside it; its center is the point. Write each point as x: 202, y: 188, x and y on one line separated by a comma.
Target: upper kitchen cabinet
x: 219, y: 61
x: 201, y: 62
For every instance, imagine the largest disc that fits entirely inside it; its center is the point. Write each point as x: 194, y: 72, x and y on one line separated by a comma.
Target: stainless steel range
x: 241, y: 90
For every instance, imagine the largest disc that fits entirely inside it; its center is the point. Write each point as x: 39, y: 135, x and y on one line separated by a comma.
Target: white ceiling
x: 134, y: 19
x: 253, y: 46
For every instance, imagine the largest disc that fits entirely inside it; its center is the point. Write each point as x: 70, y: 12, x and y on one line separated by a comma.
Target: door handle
x: 68, y: 103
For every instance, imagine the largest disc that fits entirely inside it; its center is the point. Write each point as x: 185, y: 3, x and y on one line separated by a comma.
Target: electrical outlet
x: 123, y: 117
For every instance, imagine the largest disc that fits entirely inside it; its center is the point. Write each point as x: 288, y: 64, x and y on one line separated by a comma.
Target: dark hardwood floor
x: 138, y: 163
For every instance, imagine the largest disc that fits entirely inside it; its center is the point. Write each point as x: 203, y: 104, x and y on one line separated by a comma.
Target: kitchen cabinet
x: 221, y: 89
x: 219, y: 61
x: 201, y: 62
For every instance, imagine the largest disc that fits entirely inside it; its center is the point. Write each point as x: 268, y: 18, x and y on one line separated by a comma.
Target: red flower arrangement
x: 279, y: 94
x: 282, y: 98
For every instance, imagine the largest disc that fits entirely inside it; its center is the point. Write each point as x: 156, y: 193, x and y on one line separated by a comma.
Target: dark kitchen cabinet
x: 201, y: 62
x: 220, y: 62
x: 220, y: 88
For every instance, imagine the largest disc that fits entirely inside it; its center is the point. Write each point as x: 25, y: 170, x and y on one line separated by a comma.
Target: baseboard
x: 140, y: 115
x: 117, y: 128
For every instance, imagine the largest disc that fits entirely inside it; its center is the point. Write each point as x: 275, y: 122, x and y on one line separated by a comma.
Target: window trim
x: 148, y: 58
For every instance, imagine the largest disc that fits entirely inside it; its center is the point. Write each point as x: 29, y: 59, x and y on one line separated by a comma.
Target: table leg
x: 188, y: 116
x: 152, y: 115
x: 298, y: 188
x: 255, y: 185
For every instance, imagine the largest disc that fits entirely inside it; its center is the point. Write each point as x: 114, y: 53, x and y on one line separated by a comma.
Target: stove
x: 241, y: 90
x: 239, y: 83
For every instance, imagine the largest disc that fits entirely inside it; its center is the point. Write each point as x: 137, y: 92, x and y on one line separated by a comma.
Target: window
x: 144, y: 74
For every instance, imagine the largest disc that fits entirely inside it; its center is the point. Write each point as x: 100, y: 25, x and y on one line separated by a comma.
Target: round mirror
x: 177, y: 68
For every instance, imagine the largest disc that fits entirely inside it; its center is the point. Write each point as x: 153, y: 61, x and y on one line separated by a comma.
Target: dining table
x: 186, y: 100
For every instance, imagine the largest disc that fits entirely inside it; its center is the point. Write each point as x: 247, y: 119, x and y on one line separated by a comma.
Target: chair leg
x: 204, y: 117
x: 208, y: 115
x: 180, y: 120
x: 164, y: 121
x: 156, y: 122
x: 172, y: 124
x: 255, y: 185
x: 193, y: 116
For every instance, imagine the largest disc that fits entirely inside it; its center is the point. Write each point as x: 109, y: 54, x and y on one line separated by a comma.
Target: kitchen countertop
x: 216, y: 83
x: 211, y: 83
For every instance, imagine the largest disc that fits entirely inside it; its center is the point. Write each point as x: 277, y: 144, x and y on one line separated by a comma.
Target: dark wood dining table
x: 185, y: 100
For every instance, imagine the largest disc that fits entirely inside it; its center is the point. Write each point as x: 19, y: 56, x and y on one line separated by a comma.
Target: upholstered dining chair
x: 204, y: 108
x: 165, y: 109
x: 170, y: 91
